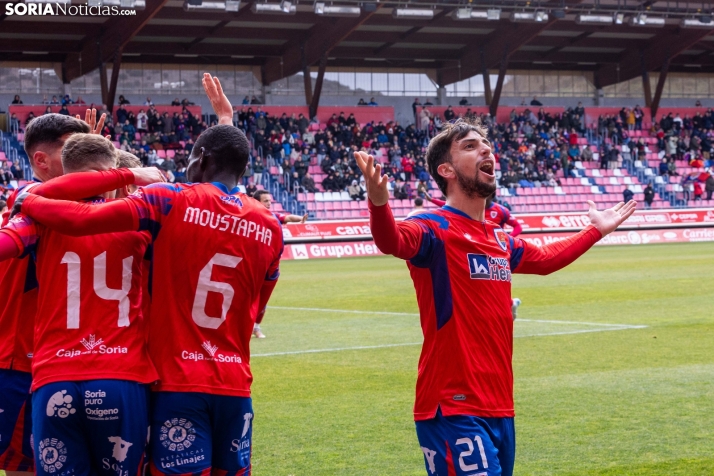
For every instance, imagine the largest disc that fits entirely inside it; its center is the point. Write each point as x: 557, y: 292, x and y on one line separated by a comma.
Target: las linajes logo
x: 177, y: 434
x: 53, y: 454
x: 65, y: 8
x: 211, y: 349
x: 91, y: 342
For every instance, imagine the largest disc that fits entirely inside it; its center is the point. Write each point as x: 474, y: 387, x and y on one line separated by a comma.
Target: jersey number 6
x: 205, y: 285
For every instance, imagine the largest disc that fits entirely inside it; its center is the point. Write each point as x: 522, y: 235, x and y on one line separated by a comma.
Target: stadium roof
x: 651, y: 36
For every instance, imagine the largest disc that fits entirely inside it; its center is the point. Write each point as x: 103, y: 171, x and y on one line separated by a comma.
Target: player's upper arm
x: 419, y: 241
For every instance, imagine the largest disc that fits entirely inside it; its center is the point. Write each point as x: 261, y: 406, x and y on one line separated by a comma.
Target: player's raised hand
x: 90, y: 117
x: 375, y: 182
x: 607, y: 221
x: 220, y: 103
x: 304, y: 218
x: 147, y: 175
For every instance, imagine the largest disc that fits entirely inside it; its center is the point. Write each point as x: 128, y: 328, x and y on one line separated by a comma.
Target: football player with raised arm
x: 90, y: 367
x: 216, y: 255
x: 461, y: 266
x: 44, y: 139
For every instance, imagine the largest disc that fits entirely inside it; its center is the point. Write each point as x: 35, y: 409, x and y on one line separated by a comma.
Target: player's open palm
x: 607, y: 221
x: 375, y: 182
x: 219, y: 101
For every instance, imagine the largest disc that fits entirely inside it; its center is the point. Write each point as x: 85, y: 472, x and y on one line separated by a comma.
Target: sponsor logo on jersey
x: 232, y: 200
x: 121, y: 448
x: 213, y: 355
x: 229, y: 223
x: 489, y: 268
x: 92, y: 345
x: 177, y: 434
x: 175, y: 460
x: 92, y: 406
x: 501, y: 238
x: 53, y: 454
x: 60, y: 405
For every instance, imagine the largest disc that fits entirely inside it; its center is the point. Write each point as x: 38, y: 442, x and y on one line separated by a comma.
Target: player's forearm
x: 265, y: 292
x: 80, y: 219
x: 437, y: 202
x: 293, y: 219
x: 559, y: 254
x: 8, y: 246
x: 517, y: 228
x: 390, y: 238
x: 84, y: 184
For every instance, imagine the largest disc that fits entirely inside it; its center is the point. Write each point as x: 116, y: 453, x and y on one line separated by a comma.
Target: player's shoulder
x: 438, y: 218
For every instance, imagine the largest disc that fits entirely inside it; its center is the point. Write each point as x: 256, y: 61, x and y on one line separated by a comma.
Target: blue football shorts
x: 467, y: 445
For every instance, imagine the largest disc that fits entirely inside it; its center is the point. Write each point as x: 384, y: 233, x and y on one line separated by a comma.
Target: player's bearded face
x: 473, y: 185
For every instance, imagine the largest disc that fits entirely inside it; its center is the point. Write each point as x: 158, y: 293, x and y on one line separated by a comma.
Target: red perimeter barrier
x: 363, y: 114
x: 633, y: 237
x: 543, y: 222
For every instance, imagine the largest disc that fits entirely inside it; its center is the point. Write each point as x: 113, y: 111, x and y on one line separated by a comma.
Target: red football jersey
x: 213, y: 249
x: 88, y: 324
x: 18, y: 305
x: 461, y: 269
x: 498, y: 214
x: 281, y: 217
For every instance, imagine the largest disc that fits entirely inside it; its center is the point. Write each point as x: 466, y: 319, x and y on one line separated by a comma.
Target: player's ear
x: 41, y: 160
x: 446, y: 170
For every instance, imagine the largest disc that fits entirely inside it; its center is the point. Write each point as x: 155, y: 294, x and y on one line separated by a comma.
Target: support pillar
x: 660, y: 87
x: 493, y: 107
x: 315, y: 103
x: 488, y: 94
x: 306, y: 76
x: 111, y: 93
x: 646, y: 87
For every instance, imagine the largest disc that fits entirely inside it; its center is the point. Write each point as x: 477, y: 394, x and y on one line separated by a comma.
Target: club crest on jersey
x: 488, y: 268
x: 501, y: 238
x: 494, y: 214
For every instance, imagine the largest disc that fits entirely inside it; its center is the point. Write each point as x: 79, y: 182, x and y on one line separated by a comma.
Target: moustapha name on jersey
x: 213, y: 355
x: 229, y: 223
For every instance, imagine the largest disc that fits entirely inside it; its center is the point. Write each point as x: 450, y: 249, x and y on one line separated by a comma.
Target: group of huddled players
x: 129, y: 303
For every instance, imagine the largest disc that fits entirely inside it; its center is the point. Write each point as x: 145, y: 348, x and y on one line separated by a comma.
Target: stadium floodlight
x: 413, y: 13
x: 493, y: 14
x: 469, y: 14
x: 645, y: 20
x: 695, y: 23
x: 204, y: 7
x: 619, y: 18
x: 273, y: 9
x: 593, y: 20
x: 336, y: 11
x: 232, y: 5
x: 528, y: 17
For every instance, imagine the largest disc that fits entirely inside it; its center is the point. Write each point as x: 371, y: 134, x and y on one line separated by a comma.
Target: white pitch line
x: 349, y: 311
x: 385, y: 346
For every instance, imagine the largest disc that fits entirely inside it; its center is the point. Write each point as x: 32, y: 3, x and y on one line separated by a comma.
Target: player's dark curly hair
x: 227, y: 145
x: 49, y: 129
x: 438, y: 151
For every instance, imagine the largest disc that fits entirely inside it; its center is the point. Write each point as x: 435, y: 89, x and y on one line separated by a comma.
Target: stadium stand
x: 549, y: 159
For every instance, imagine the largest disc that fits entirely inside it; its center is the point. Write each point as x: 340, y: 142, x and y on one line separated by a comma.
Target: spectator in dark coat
x: 627, y: 194
x: 649, y: 195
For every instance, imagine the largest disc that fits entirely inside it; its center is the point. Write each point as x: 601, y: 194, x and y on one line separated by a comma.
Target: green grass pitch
x: 591, y: 399
x: 596, y: 393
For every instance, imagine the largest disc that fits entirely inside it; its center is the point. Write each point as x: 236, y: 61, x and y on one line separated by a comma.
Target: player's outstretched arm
x: 80, y: 219
x: 402, y: 240
x: 296, y: 218
x: 220, y: 103
x: 529, y: 259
